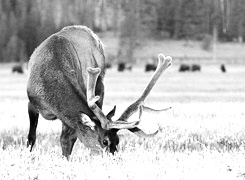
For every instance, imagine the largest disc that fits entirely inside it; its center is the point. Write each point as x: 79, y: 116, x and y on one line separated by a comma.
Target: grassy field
x: 202, y: 137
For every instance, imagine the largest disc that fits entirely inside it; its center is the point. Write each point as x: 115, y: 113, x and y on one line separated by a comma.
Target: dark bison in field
x: 18, y: 69
x: 196, y: 67
x: 150, y: 67
x: 108, y: 65
x: 124, y: 66
x: 223, y: 68
x: 184, y: 68
x: 192, y: 68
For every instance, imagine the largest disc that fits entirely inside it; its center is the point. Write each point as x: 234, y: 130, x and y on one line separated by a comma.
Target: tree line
x: 24, y: 24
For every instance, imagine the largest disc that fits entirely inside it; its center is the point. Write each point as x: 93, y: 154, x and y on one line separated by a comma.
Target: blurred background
x: 134, y: 31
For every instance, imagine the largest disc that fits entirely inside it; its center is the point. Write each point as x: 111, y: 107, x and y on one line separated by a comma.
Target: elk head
x: 110, y: 127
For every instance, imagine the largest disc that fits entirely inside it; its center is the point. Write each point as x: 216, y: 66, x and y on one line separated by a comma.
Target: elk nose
x: 113, y: 149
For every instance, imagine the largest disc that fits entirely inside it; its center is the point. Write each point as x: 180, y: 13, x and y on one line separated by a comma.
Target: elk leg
x: 67, y: 139
x: 33, y: 116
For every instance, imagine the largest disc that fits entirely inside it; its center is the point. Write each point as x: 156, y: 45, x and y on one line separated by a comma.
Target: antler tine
x: 141, y: 133
x: 138, y: 131
x: 93, y: 74
x: 163, y: 64
x: 150, y: 110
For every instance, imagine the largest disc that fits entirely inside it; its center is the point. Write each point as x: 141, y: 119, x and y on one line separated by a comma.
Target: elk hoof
x: 30, y: 142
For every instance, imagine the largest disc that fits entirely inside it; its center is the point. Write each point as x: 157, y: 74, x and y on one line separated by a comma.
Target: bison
x: 196, y: 67
x: 124, y: 66
x: 18, y: 69
x: 150, y: 67
x: 223, y: 68
x: 184, y: 68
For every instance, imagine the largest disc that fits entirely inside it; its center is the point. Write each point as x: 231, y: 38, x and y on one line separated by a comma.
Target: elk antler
x: 163, y: 64
x: 150, y: 110
x: 93, y: 74
x: 122, y: 123
x: 137, y: 130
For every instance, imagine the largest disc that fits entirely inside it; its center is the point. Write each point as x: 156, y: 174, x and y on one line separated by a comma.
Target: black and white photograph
x: 122, y: 89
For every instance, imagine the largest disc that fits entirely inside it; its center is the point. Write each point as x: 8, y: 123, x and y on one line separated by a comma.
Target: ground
x: 201, y: 137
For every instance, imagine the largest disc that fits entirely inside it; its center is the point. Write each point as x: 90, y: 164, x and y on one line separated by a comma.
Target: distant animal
x: 108, y: 65
x: 123, y: 66
x: 184, y: 68
x: 196, y: 67
x: 223, y: 68
x: 150, y: 67
x: 65, y: 82
x: 18, y: 69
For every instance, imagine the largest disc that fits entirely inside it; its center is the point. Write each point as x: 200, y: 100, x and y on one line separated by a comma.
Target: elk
x: 65, y: 82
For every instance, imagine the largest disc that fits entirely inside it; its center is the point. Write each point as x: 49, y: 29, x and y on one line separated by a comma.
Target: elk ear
x: 87, y: 121
x: 111, y: 113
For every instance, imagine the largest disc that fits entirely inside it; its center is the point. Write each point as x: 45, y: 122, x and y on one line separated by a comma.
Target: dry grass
x: 202, y: 137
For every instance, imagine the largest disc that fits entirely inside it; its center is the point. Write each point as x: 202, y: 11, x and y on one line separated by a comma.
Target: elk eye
x: 105, y: 142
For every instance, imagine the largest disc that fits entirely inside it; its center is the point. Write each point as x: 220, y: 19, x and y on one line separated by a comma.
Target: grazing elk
x: 65, y: 82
